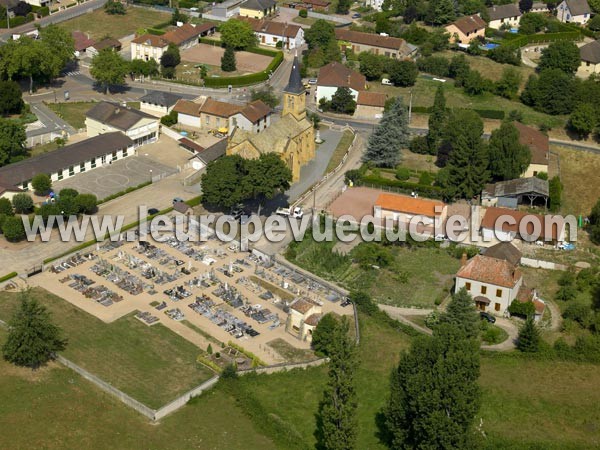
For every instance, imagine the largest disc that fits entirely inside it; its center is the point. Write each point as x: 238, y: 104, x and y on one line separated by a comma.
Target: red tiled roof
x: 491, y: 215
x: 82, y: 41
x: 187, y: 107
x: 271, y: 27
x: 371, y: 99
x: 302, y: 306
x: 151, y: 40
x: 313, y: 319
x: 337, y: 75
x: 256, y: 110
x: 409, y: 205
x: 182, y: 34
x: 468, y: 24
x: 374, y: 40
x: 221, y: 109
x: 188, y: 143
x: 538, y: 143
x: 491, y: 271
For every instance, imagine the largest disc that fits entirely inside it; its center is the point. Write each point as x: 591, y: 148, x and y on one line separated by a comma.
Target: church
x: 292, y: 136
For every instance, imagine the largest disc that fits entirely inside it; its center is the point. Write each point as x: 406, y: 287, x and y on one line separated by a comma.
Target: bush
x: 13, y: 229
x: 22, y: 203
x: 229, y: 372
x: 579, y: 312
x: 402, y: 173
x: 434, y: 65
x: 426, y: 178
x: 420, y: 145
x: 170, y: 119
x: 303, y: 13
x: 41, y: 184
x: 555, y: 188
x: 86, y: 203
x: 432, y: 319
x: 363, y: 302
x: 6, y: 207
x: 523, y: 309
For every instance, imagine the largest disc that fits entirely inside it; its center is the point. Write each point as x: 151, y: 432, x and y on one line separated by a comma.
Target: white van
x: 387, y: 82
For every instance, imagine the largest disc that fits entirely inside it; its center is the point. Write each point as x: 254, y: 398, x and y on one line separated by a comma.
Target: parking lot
x: 117, y: 176
x: 211, y: 286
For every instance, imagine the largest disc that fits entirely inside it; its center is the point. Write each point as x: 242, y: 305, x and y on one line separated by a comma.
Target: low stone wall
x: 539, y: 264
x: 181, y: 401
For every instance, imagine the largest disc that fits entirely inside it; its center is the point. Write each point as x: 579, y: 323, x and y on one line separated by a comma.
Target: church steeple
x: 294, y: 101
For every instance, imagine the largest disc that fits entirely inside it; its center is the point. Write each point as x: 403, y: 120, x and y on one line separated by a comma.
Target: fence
x: 181, y: 401
x: 539, y: 264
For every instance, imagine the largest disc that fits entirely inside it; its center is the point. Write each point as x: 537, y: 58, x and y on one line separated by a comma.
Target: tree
x: 169, y: 60
x: 508, y: 157
x: 145, y: 68
x: 532, y: 23
x: 434, y: 394
x: 267, y: 176
x: 583, y: 119
x: 177, y: 16
x: 237, y: 34
x: 389, y: 137
x: 267, y: 96
x: 228, y: 63
x: 461, y: 313
x: 114, y: 8
x: 563, y: 55
x: 68, y: 192
x: 593, y: 228
x: 12, y: 141
x: 508, y: 85
x: 504, y: 54
x: 467, y: 157
x: 11, y: 98
x: 108, y: 67
x: 440, y: 12
x: 22, y: 9
x: 337, y: 423
x: 529, y: 338
x: 474, y: 83
x: 6, y: 208
x: 32, y: 337
x: 553, y: 92
x: 403, y: 73
x: 322, y: 337
x: 371, y: 65
x: 86, y: 203
x: 342, y: 101
x: 13, y: 229
x: 437, y: 119
x: 525, y: 5
x: 22, y: 203
x: 320, y: 34
x: 170, y: 119
x: 594, y: 24
x: 41, y: 184
x: 459, y: 68
x: 221, y: 184
x: 555, y: 188
x: 343, y: 7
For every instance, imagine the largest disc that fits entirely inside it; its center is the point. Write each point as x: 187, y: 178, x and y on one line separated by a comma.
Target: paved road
x: 50, y: 121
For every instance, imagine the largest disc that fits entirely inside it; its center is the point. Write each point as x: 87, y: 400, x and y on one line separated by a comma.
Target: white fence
x: 539, y: 264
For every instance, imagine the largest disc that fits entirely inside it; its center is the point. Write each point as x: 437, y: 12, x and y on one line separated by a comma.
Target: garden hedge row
x: 8, y: 276
x: 484, y: 113
x: 155, y: 31
x: 405, y: 187
x: 542, y: 38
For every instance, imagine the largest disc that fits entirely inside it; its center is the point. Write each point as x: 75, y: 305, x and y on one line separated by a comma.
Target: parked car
x: 296, y: 212
x: 386, y: 82
x: 487, y: 316
x: 312, y: 81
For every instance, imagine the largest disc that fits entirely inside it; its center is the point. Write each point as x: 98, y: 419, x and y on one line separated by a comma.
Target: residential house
x: 107, y: 117
x: 335, y: 75
x: 466, y: 29
x: 590, y: 59
x: 504, y: 16
x: 303, y: 318
x: 511, y: 193
x: 82, y: 42
x: 203, y: 156
x: 109, y: 43
x: 8, y: 192
x: 576, y: 11
x: 375, y: 43
x: 403, y: 209
x: 271, y: 33
x: 158, y: 103
x: 225, y: 10
x: 316, y: 5
x: 375, y: 4
x: 370, y: 105
x: 38, y: 2
x: 539, y: 7
x: 258, y: 9
x: 150, y: 46
x: 506, y: 224
x: 539, y: 145
x: 67, y: 161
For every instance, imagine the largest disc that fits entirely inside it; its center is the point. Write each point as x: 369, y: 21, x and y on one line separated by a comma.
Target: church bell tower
x: 294, y: 95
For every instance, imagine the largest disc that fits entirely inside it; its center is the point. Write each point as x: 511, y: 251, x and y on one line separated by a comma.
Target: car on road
x: 487, y: 316
x: 296, y: 212
x: 153, y: 211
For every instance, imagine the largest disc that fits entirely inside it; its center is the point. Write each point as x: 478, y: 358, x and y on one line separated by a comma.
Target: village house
x: 590, y: 59
x: 576, y: 11
x: 370, y: 105
x: 203, y: 156
x: 67, y: 161
x: 109, y: 43
x: 375, y: 4
x: 292, y: 137
x: 158, y: 103
x: 504, y: 16
x: 315, y: 5
x: 539, y: 7
x: 335, y: 75
x: 303, y: 318
x: 270, y: 33
x: 402, y: 208
x: 505, y: 225
x: 539, y: 146
x: 466, y: 29
x: 8, y: 192
x: 107, y: 117
x: 150, y: 46
x: 82, y: 42
x: 258, y: 9
x: 375, y: 43
x: 225, y: 10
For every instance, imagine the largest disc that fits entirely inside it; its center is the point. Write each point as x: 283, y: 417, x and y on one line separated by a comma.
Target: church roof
x: 295, y: 85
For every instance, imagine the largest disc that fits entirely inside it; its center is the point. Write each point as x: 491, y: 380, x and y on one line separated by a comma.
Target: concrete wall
x: 187, y: 120
x: 539, y: 264
x: 181, y: 401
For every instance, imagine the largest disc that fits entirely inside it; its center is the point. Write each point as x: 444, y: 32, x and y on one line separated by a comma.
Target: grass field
x: 152, y: 364
x: 577, y: 165
x: 74, y: 112
x: 289, y: 352
x: 98, y: 24
x: 340, y: 150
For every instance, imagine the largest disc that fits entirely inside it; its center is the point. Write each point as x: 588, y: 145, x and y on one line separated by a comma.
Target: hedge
x: 207, y: 362
x: 540, y: 38
x: 256, y: 361
x: 155, y: 31
x: 194, y: 201
x: 484, y: 113
x: 124, y: 192
x: 161, y: 25
x: 246, y: 80
x: 8, y: 276
x: 41, y: 10
x: 403, y: 186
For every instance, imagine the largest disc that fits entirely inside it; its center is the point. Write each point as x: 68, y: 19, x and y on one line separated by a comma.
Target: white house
x: 577, y: 11
x: 303, y: 319
x: 504, y: 15
x: 335, y: 75
x: 271, y: 33
x: 8, y: 192
x: 505, y: 225
x: 158, y: 103
x: 590, y: 59
x: 67, y: 161
x: 375, y: 4
x: 107, y: 117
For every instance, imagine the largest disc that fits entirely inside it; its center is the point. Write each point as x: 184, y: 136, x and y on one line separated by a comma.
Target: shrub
x: 229, y: 372
x: 13, y: 229
x: 170, y: 119
x: 420, y: 146
x: 579, y: 312
x: 86, y: 203
x: 432, y: 319
x: 426, y: 178
x: 6, y: 207
x: 402, y: 173
x: 555, y: 188
x: 303, y: 13
x: 523, y: 309
x: 22, y: 203
x: 41, y: 184
x: 364, y: 302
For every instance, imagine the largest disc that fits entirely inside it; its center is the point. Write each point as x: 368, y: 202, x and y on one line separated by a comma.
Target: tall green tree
x: 440, y: 12
x: 403, y: 73
x: 437, y: 119
x: 508, y: 157
x: 553, y: 92
x: 228, y: 63
x: 169, y: 60
x: 555, y: 189
x: 342, y: 7
x: 593, y: 228
x: 337, y: 422
x: 22, y: 203
x: 32, y: 337
x: 434, y: 393
x: 320, y: 34
x: 222, y: 182
x: 390, y: 136
x: 59, y: 42
x: 371, y: 65
x: 462, y: 314
x: 41, y: 183
x: 237, y: 34
x: 508, y: 85
x: 563, y: 55
x: 12, y: 141
x: 267, y: 176
x: 11, y: 98
x: 322, y: 338
x: 467, y: 155
x: 109, y: 68
x: 529, y: 338
x: 13, y: 229
x: 342, y: 101
x: 583, y: 119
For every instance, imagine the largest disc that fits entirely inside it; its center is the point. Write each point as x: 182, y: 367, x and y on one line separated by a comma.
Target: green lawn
x: 74, y: 112
x: 98, y: 24
x: 340, y: 150
x: 152, y: 364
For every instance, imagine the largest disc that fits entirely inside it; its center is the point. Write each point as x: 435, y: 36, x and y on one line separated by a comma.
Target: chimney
x: 463, y: 260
